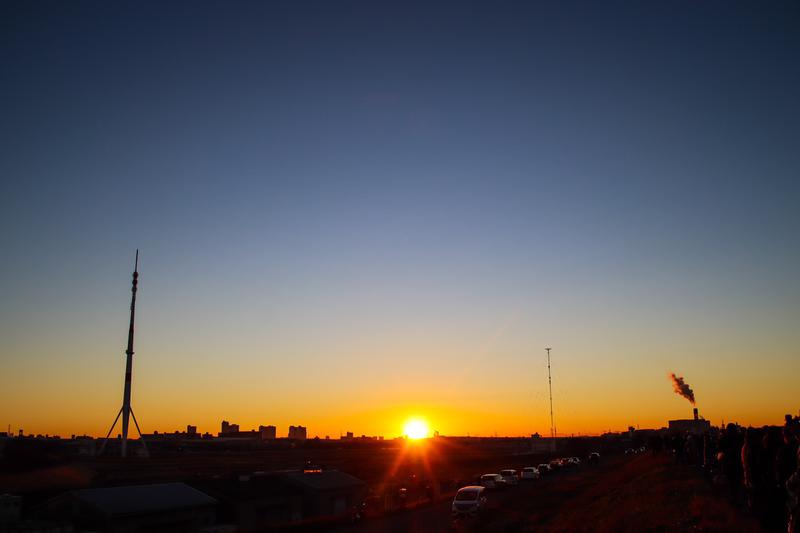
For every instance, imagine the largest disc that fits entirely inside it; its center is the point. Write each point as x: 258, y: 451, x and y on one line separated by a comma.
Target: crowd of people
x: 758, y: 467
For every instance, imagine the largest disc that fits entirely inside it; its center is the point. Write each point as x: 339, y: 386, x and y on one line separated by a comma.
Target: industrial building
x: 695, y: 425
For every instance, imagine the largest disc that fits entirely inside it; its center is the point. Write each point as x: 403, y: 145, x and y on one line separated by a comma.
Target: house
x: 327, y: 493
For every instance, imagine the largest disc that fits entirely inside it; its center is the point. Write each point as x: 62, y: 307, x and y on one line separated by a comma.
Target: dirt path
x: 646, y: 493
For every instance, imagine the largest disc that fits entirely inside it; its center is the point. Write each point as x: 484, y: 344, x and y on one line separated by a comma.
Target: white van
x: 469, y: 501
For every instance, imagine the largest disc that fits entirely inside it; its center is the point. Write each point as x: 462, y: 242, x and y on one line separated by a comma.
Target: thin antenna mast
x: 550, y: 385
x: 126, y: 411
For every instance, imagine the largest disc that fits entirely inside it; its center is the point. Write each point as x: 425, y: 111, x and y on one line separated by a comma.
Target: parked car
x: 469, y: 501
x: 530, y: 472
x: 493, y: 481
x: 575, y: 461
x: 555, y: 464
x: 510, y: 476
x: 543, y: 469
x: 594, y: 458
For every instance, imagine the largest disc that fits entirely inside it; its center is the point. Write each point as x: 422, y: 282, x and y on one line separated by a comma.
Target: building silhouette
x: 228, y: 428
x: 154, y: 507
x: 694, y: 425
x: 297, y: 432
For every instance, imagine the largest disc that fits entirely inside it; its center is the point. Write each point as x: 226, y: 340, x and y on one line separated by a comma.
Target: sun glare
x: 416, y: 428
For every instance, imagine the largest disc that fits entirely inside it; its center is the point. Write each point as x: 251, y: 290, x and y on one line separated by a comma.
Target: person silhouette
x: 730, y: 448
x: 793, y: 490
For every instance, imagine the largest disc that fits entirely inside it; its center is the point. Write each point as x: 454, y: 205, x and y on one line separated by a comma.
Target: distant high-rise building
x: 191, y: 430
x: 267, y: 432
x: 297, y: 432
x: 228, y: 428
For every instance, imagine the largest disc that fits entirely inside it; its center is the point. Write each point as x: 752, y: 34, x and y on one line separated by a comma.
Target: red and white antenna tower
x: 126, y: 410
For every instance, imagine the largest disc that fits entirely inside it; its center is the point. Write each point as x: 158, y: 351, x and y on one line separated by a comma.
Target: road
x: 507, y: 509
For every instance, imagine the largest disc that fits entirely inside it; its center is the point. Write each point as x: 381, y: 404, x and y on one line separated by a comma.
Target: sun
x: 416, y: 428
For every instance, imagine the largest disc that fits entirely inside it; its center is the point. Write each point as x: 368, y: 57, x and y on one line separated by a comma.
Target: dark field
x: 443, y: 463
x: 624, y: 493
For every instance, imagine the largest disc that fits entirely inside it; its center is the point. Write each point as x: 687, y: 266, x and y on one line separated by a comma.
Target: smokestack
x: 682, y: 388
x: 695, y: 413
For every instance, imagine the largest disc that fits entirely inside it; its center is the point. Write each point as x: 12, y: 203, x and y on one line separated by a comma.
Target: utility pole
x: 550, y: 385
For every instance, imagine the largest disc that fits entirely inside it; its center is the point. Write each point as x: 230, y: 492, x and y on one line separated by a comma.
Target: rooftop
x: 140, y: 499
x: 324, y: 480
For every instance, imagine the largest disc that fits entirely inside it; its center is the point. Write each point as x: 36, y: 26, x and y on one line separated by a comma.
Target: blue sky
x: 307, y: 179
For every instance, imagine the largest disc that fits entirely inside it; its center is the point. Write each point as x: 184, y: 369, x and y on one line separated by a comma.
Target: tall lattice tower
x: 126, y: 411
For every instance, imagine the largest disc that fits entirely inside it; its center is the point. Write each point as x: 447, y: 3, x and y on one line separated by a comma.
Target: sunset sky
x: 351, y: 213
